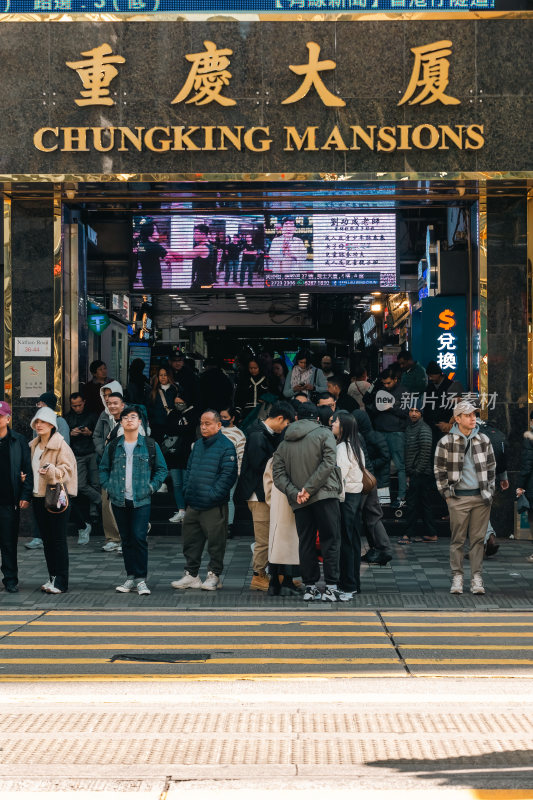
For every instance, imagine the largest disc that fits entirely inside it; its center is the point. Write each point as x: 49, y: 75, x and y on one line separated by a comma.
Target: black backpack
x: 498, y: 441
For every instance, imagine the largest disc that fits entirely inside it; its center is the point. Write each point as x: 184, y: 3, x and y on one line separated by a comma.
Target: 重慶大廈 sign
x: 265, y: 96
x: 33, y: 346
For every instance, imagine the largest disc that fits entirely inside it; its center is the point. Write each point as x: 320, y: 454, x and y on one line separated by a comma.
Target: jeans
x: 9, y: 529
x: 177, y: 477
x: 232, y: 267
x: 350, y: 560
x: 133, y: 528
x: 209, y: 525
x: 324, y: 516
x: 418, y: 506
x: 53, y: 532
x: 396, y: 442
x: 89, y: 483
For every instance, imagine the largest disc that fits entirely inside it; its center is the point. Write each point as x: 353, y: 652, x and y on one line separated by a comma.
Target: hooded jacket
x: 62, y: 467
x: 450, y: 459
x: 307, y: 459
x: 106, y: 422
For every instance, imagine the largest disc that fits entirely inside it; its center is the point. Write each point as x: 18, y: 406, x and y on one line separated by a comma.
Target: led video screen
x: 202, y: 251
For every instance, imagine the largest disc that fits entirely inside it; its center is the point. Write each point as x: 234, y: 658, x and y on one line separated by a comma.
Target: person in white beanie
x: 52, y: 461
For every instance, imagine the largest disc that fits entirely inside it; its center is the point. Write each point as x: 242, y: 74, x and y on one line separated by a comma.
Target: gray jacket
x: 103, y: 428
x: 307, y: 459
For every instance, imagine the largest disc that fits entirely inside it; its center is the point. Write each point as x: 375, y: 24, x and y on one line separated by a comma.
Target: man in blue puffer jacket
x: 211, y: 473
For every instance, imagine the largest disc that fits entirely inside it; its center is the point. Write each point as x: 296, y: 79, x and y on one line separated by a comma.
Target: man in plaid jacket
x: 465, y: 470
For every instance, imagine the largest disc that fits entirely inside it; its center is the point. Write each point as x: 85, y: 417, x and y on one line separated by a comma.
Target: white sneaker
x: 142, y: 588
x: 476, y: 584
x: 178, y: 516
x: 127, y: 586
x: 187, y: 582
x: 34, y: 544
x: 52, y: 588
x: 457, y: 585
x: 212, y: 582
x: 84, y: 533
x: 119, y: 549
x: 162, y: 489
x: 345, y: 597
x: 110, y: 547
x: 46, y: 586
x: 311, y: 593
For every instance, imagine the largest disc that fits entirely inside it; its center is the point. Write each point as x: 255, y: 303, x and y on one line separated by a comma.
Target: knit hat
x: 46, y: 415
x: 50, y: 399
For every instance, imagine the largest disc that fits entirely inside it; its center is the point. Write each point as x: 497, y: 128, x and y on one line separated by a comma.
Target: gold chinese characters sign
x: 209, y: 82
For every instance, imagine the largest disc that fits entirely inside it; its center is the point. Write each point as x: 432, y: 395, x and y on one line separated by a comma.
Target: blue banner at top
x: 251, y: 6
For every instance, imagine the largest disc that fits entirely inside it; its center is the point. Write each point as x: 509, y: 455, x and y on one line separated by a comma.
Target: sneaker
x: 51, y: 588
x: 259, y: 583
x: 457, y: 585
x: 178, y: 516
x: 345, y: 597
x: 84, y: 533
x: 110, y: 547
x: 34, y: 544
x: 212, y: 582
x: 119, y: 549
x: 399, y: 503
x: 163, y: 489
x: 188, y: 582
x: 331, y: 595
x: 46, y: 586
x: 127, y: 586
x: 476, y: 584
x: 311, y: 593
x: 142, y: 588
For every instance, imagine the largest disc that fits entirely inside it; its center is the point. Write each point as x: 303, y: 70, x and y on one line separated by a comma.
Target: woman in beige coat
x: 283, y: 554
x: 52, y: 462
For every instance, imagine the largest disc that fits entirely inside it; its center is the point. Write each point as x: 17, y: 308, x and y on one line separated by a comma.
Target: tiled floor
x: 418, y: 577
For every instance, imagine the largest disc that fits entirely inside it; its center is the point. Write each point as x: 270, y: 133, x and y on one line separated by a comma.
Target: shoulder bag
x: 56, y: 498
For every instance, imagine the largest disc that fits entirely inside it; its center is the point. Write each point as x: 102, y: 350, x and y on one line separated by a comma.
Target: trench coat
x: 282, y: 536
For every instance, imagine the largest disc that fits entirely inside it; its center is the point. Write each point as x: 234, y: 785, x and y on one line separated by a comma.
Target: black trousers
x: 372, y: 514
x: 53, y: 532
x: 323, y: 516
x: 9, y: 531
x: 418, y: 505
x: 350, y: 561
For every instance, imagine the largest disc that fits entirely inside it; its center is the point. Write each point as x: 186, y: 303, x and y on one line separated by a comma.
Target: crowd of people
x: 309, y: 451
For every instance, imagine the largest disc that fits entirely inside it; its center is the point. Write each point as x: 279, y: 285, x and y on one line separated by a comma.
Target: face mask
x: 225, y: 423
x: 181, y: 406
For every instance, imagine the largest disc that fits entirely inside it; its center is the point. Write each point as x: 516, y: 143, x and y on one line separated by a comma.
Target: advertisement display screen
x: 352, y: 251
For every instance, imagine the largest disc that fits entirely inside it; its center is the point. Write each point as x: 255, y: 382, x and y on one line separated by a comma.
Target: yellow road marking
x: 255, y: 634
x: 456, y: 646
x: 237, y: 676
x: 212, y: 661
x: 199, y: 612
x: 255, y: 646
x: 43, y: 622
x: 501, y: 661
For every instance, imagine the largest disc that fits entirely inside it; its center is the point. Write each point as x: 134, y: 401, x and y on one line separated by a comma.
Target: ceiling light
x: 376, y: 294
x: 376, y: 307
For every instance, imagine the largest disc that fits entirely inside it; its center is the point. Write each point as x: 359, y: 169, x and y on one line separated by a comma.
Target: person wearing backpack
x: 498, y: 441
x: 131, y: 470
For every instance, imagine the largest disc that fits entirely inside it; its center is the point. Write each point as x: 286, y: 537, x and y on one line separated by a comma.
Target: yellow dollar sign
x: 447, y: 319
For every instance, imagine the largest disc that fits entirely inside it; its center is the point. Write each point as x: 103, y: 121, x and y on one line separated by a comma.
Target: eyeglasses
x: 131, y: 417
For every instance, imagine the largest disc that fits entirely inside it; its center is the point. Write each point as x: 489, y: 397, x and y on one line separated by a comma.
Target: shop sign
x: 32, y: 378
x: 33, y: 346
x: 209, y: 82
x: 98, y: 322
x: 444, y: 337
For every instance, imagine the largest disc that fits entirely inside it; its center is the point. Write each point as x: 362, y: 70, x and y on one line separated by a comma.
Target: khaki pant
x: 469, y: 516
x: 108, y: 520
x: 199, y: 527
x: 261, y: 517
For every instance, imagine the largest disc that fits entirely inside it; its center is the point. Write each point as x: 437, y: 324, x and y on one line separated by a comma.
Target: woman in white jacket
x: 351, y: 460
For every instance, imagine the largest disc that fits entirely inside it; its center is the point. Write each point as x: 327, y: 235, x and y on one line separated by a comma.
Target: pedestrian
x: 414, y: 376
x: 131, y: 470
x: 105, y: 426
x: 278, y: 378
x: 525, y: 479
x: 52, y: 462
x: 183, y: 376
x: 419, y: 469
x: 359, y: 385
x: 211, y: 472
x: 351, y: 460
x: 81, y: 425
x: 378, y: 452
x: 305, y: 470
x: 215, y: 389
x: 91, y: 390
x: 283, y: 544
x: 176, y: 448
x: 235, y: 435
x: 161, y: 402
x: 251, y: 388
x: 138, y: 387
x: 465, y: 469
x: 304, y: 378
x: 343, y: 401
x: 231, y: 261
x: 326, y: 365
x: 442, y: 393
x: 15, y: 494
x: 263, y: 439
x: 390, y: 418
x: 499, y: 444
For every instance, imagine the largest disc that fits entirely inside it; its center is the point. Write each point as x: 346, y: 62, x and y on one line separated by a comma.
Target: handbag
x: 56, y: 498
x: 369, y: 481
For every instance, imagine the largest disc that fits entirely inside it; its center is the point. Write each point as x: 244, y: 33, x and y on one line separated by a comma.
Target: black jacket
x: 186, y: 384
x: 81, y: 445
x: 260, y: 445
x: 215, y: 390
x: 525, y: 480
x: 182, y: 425
x: 20, y: 458
x: 249, y: 392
